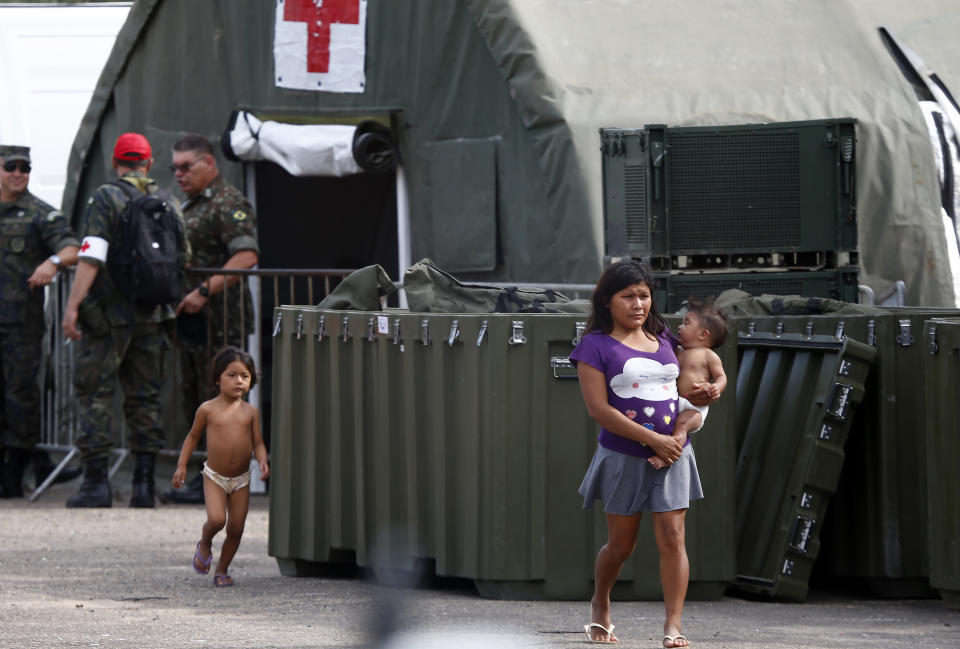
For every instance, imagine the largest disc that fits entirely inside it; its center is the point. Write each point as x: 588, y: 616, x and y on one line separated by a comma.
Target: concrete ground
x: 120, y: 577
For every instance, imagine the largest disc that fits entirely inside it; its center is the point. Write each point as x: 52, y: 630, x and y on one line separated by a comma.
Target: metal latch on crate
x: 276, y: 324
x: 321, y: 328
x: 345, y: 329
x: 299, y: 334
x: 563, y: 368
x: 840, y: 398
x: 482, y: 333
x: 826, y: 432
x: 454, y: 336
x: 844, y: 368
x: 840, y: 327
x: 579, y: 328
x: 872, y: 333
x: 801, y: 534
x: 517, y: 337
x: 425, y: 332
x: 396, y: 331
x: 371, y: 329
x: 905, y: 339
x: 932, y: 347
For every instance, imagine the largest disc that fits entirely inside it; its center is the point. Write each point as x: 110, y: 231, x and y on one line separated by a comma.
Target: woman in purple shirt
x: 627, y: 366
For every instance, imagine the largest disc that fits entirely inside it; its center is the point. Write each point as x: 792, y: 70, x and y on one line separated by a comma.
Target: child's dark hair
x: 614, y: 279
x: 710, y: 319
x: 226, y: 356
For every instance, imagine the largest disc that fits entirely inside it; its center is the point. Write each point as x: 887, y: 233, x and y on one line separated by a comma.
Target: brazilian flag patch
x: 239, y: 215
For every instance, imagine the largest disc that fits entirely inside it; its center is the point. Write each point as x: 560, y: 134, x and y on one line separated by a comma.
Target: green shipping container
x: 942, y: 373
x: 458, y: 441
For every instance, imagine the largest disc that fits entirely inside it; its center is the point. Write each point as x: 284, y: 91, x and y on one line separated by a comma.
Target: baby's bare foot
x: 657, y: 462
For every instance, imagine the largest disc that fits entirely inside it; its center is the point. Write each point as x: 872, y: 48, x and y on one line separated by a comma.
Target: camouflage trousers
x: 134, y: 357
x: 193, y: 381
x: 20, y: 357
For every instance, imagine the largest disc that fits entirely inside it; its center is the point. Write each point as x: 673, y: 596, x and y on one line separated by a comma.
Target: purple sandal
x: 201, y: 565
x: 222, y: 580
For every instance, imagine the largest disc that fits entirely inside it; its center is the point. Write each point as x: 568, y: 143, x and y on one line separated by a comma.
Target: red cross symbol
x: 319, y: 16
x: 85, y: 247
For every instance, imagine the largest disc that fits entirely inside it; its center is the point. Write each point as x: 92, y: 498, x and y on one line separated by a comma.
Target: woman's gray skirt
x: 626, y: 484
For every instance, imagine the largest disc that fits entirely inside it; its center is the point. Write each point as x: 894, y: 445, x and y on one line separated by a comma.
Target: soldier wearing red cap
x: 118, y: 339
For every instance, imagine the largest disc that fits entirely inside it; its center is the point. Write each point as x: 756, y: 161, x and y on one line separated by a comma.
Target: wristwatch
x: 55, y: 260
x: 203, y: 290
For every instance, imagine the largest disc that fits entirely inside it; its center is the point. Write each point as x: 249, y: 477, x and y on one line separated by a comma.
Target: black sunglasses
x: 12, y: 165
x: 185, y: 167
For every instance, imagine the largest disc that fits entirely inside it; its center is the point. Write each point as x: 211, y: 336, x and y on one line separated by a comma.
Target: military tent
x: 495, y: 106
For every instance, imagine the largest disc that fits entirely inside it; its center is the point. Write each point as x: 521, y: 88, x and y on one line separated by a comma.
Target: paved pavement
x: 121, y: 578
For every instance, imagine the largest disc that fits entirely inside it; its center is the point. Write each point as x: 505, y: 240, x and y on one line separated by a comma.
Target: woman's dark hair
x: 614, y: 279
x: 226, y: 356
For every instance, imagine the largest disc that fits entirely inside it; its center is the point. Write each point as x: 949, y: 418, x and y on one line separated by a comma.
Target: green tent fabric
x: 510, y: 94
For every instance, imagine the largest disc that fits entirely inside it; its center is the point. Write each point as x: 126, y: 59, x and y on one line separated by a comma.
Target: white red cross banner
x: 320, y: 45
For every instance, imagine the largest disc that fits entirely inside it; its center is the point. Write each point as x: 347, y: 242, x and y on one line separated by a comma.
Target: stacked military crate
x: 455, y: 443
x: 766, y: 208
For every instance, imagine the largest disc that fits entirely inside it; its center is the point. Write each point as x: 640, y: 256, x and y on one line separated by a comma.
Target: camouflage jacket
x: 221, y: 223
x: 100, y: 219
x: 30, y: 231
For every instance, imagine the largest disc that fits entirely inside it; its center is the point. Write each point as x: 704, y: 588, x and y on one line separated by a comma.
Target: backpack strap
x: 129, y: 190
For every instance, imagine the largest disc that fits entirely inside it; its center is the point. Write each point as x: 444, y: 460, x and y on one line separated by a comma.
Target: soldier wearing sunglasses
x: 35, y: 242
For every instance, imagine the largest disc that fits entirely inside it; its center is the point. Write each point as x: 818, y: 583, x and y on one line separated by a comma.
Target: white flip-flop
x: 609, y: 632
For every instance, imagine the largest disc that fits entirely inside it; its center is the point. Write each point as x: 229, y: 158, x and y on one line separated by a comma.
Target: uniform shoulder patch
x: 239, y: 215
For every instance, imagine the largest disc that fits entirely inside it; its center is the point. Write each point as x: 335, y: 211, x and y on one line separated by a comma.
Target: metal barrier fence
x: 58, y: 414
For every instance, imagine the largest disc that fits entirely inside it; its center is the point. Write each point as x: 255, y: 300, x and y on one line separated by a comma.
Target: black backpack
x: 146, y: 259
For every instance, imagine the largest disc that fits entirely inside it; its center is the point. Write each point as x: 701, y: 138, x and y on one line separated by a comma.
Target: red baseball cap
x: 132, y: 146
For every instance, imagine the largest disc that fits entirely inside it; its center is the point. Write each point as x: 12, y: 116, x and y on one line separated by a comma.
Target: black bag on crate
x: 146, y: 260
x: 432, y: 290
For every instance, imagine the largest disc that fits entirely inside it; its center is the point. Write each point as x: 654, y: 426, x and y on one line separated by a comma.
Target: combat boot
x: 43, y: 466
x: 13, y: 466
x: 189, y: 494
x: 95, y: 488
x: 143, y: 480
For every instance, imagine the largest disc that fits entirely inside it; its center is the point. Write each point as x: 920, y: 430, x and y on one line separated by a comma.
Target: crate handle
x: 559, y: 363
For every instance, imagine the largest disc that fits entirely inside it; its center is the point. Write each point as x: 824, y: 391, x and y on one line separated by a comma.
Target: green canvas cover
x: 734, y: 302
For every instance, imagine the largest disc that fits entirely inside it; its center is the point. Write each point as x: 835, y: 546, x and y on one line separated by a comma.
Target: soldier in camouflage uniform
x: 118, y: 339
x: 35, y: 241
x: 222, y: 230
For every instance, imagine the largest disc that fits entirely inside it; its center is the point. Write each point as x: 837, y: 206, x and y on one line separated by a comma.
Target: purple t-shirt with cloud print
x: 641, y: 385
